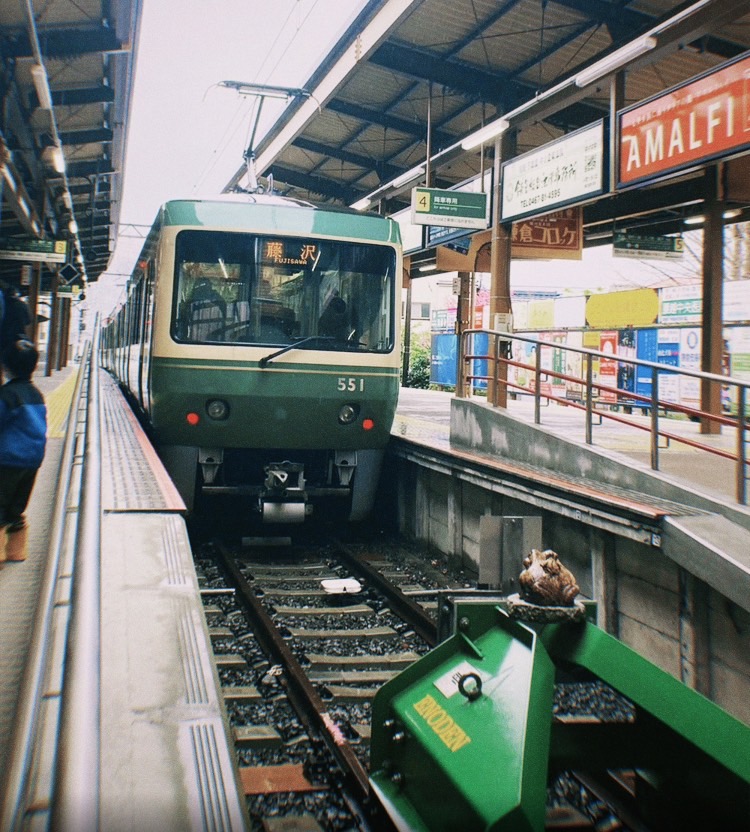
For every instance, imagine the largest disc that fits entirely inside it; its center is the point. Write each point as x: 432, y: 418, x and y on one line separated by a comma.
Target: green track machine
x: 466, y: 738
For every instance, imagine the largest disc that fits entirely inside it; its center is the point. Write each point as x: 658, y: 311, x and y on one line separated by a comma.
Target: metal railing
x: 596, y: 398
x: 55, y: 752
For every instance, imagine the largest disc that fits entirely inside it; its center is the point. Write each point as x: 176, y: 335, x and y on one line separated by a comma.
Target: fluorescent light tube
x: 58, y: 160
x: 615, y: 60
x: 414, y: 173
x: 41, y: 84
x: 491, y: 131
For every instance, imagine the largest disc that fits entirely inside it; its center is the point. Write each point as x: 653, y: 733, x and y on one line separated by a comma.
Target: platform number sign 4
x: 423, y: 201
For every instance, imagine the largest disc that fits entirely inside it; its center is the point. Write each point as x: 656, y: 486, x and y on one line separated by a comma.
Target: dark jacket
x: 17, y: 317
x: 23, y: 424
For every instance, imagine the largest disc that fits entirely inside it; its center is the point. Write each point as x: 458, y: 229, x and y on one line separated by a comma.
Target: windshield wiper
x: 267, y: 359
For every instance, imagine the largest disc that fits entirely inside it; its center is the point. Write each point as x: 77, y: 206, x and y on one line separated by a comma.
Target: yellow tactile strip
x: 58, y: 407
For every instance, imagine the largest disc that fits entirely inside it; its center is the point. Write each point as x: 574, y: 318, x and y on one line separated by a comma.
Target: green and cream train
x: 260, y: 340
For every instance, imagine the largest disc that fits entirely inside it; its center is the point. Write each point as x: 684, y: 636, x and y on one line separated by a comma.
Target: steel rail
x: 403, y: 606
x: 308, y: 704
x: 75, y: 804
x: 24, y: 745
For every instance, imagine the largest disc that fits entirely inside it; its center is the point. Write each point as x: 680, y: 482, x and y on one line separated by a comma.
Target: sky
x: 186, y: 134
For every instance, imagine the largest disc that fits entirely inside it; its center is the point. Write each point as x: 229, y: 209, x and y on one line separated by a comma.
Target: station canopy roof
x: 360, y: 122
x: 67, y: 77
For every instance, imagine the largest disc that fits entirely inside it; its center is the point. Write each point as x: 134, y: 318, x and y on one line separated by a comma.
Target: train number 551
x: 351, y: 385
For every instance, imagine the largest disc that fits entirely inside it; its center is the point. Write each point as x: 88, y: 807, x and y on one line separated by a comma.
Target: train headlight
x: 217, y: 409
x: 348, y: 413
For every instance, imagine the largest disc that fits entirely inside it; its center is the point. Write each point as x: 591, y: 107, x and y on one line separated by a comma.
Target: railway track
x: 300, y: 665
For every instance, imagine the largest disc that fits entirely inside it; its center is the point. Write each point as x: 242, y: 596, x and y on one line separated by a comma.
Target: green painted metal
x: 267, y: 214
x: 267, y: 404
x: 443, y: 762
x: 466, y: 764
x: 695, y: 754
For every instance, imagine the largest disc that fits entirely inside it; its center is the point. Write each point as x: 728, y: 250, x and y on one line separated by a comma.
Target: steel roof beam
x: 76, y: 170
x: 96, y: 136
x: 324, y: 187
x: 86, y: 189
x: 401, y: 125
x: 100, y: 94
x: 639, y: 201
x: 332, y: 75
x: 622, y: 22
x: 427, y: 66
x: 65, y: 43
x: 385, y: 170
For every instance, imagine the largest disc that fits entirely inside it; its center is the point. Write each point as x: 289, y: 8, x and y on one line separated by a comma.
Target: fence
x: 600, y: 400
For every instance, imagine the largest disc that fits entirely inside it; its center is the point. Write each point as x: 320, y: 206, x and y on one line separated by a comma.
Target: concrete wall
x: 645, y: 598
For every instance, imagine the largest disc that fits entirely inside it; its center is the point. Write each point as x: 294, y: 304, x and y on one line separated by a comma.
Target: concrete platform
x: 167, y: 756
x: 19, y: 582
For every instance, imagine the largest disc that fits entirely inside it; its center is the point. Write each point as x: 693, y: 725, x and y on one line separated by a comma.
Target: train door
x: 144, y: 374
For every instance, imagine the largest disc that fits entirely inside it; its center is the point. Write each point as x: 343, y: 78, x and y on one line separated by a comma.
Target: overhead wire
x: 244, y: 113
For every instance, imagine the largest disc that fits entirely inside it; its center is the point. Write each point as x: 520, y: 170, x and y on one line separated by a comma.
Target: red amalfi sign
x: 704, y: 119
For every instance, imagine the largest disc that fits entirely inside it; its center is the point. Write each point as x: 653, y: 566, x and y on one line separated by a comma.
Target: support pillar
x: 407, y: 329
x: 62, y: 353
x: 54, y: 326
x: 497, y: 392
x: 604, y: 579
x: 33, y: 303
x: 694, y: 650
x: 463, y: 388
x: 712, y: 292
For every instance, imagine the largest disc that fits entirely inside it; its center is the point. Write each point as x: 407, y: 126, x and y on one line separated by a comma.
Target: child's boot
x: 17, y: 543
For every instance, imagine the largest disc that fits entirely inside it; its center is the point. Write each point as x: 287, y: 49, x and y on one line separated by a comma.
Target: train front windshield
x: 235, y: 288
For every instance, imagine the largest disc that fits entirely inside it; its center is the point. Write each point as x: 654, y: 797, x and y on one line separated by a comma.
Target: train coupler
x: 210, y: 460
x: 285, y: 478
x: 284, y: 499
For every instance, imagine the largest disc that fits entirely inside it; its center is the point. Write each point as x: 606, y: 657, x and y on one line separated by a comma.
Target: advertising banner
x: 443, y: 360
x: 680, y: 304
x: 690, y: 359
x: 636, y: 307
x: 569, y: 169
x: 608, y: 366
x: 704, y: 119
x: 668, y: 352
x: 645, y: 349
x: 555, y: 236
